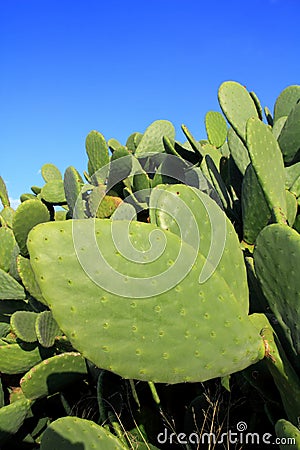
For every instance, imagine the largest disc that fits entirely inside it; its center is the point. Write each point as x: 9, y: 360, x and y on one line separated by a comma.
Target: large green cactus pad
x: 145, y: 323
x: 70, y: 433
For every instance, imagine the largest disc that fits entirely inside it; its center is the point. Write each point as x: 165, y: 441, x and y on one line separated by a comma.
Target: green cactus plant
x: 3, y: 193
x: 97, y: 151
x: 73, y: 184
x: 23, y: 325
x: 67, y: 432
x: 276, y: 259
x: 286, y: 101
x: 53, y: 192
x: 238, y: 151
x: 265, y: 153
x: 52, y: 375
x: 46, y: 329
x: 7, y: 245
x: 6, y: 215
x: 289, y: 137
x: 237, y: 105
x: 152, y: 140
x: 11, y: 419
x: 10, y: 289
x: 255, y: 211
x: 28, y: 279
x: 28, y: 214
x: 50, y: 172
x: 17, y: 358
x: 216, y: 128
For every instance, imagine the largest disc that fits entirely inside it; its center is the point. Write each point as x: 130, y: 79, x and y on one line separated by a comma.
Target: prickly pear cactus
x: 67, y: 433
x: 276, y: 259
x: 50, y: 172
x: 3, y: 193
x: 152, y: 140
x: 265, y: 154
x: 286, y: 101
x: 12, y: 417
x: 53, y: 374
x: 237, y: 105
x: 289, y: 138
x: 97, y: 151
x: 216, y: 128
x: 142, y: 312
x: 28, y: 214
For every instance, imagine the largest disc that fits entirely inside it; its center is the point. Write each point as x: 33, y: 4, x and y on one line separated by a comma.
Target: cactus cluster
x: 167, y: 268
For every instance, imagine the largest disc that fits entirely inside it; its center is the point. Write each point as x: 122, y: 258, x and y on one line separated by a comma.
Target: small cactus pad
x: 12, y: 417
x: 3, y: 194
x: 72, y: 184
x: 23, y: 325
x: 28, y: 214
x: 267, y: 163
x: 69, y: 433
x: 152, y: 140
x: 97, y: 151
x: 7, y: 244
x: 10, y: 289
x: 237, y: 105
x: 216, y: 128
x: 46, y: 329
x: 238, y: 151
x: 53, y: 192
x: 53, y: 374
x: 50, y: 172
x: 255, y: 211
x: 289, y: 138
x: 7, y: 215
x: 277, y: 260
x: 289, y: 435
x: 28, y: 279
x: 286, y: 101
x: 141, y: 322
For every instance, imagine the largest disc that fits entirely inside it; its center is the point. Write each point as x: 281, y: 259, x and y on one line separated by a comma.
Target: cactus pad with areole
x: 138, y: 315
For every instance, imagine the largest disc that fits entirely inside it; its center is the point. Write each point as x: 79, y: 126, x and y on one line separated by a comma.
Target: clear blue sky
x: 70, y: 66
